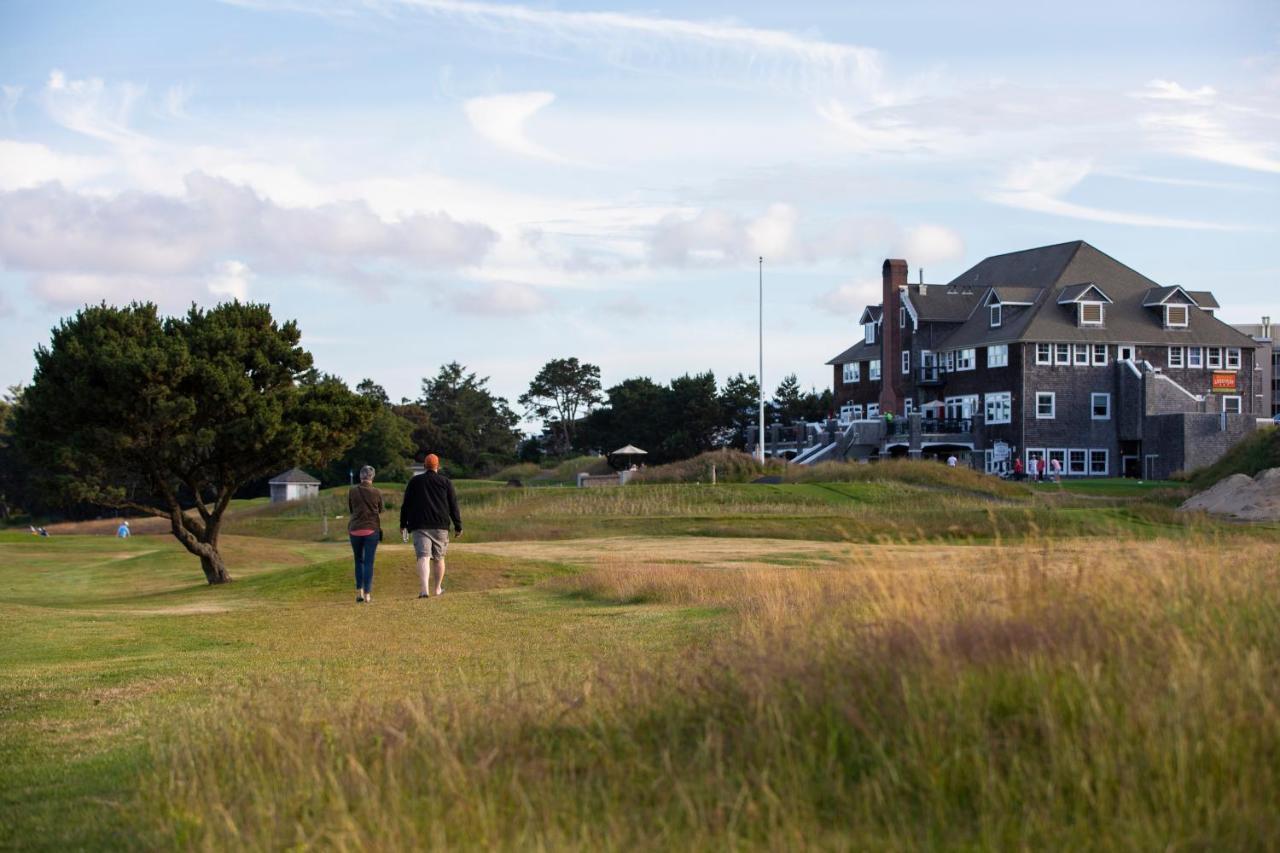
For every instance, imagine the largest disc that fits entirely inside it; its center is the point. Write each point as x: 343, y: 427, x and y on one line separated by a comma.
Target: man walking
x: 429, y: 505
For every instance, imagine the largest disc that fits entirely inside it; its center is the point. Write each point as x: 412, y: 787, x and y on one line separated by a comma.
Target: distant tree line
x: 130, y: 410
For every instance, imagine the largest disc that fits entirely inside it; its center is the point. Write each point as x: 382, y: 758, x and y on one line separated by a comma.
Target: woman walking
x: 365, y: 529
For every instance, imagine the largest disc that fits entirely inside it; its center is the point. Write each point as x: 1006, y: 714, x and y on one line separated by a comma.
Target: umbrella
x: 934, y: 404
x: 629, y: 450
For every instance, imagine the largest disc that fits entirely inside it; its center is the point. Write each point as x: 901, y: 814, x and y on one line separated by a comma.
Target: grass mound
x: 736, y: 467
x: 564, y: 472
x: 1255, y: 454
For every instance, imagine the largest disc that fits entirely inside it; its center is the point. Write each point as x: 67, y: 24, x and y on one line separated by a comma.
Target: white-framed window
x: 1059, y: 456
x: 1195, y: 357
x: 869, y: 333
x: 1175, y: 316
x: 997, y: 315
x: 875, y: 369
x: 1127, y: 352
x: 1214, y: 358
x: 1100, y: 406
x: 1036, y: 453
x: 908, y: 406
x: 1232, y: 405
x: 999, y: 407
x: 1080, y: 355
x: 1099, y: 355
x: 1233, y: 358
x: 1091, y: 314
x: 961, y: 407
x: 906, y: 362
x: 1099, y: 463
x: 852, y: 372
x: 965, y: 359
x: 1062, y: 354
x: 998, y: 355
x: 1177, y: 356
x: 1044, y: 353
x: 1046, y: 405
x: 1077, y: 463
x: 873, y: 411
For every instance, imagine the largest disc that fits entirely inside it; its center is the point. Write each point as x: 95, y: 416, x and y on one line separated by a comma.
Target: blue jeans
x: 364, y: 548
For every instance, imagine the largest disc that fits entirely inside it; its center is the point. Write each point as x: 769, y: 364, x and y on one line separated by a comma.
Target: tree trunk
x: 215, y: 571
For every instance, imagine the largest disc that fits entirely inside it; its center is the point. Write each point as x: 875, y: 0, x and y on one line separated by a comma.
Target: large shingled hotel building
x: 1060, y: 352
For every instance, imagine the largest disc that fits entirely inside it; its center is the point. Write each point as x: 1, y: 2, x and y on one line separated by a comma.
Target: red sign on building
x: 1224, y: 382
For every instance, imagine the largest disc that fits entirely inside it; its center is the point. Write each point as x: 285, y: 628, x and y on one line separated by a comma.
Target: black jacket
x: 430, y: 504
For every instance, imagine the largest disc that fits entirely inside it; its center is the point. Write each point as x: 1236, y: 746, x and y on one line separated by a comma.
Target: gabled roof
x: 293, y: 475
x: 1127, y: 320
x: 1042, y: 267
x: 936, y: 303
x: 1162, y: 295
x: 861, y: 351
x: 871, y: 314
x: 1204, y: 298
x: 1080, y: 292
x: 1013, y: 295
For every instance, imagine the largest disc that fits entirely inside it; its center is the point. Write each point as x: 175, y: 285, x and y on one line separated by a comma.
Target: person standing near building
x: 1055, y: 470
x: 123, y: 530
x: 952, y: 461
x: 364, y: 501
x: 1017, y: 468
x: 430, y: 505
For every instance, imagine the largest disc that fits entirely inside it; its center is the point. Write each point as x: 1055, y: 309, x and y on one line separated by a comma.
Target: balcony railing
x: 946, y: 426
x: 931, y: 375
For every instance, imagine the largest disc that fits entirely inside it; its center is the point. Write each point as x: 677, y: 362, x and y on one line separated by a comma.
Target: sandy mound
x: 1243, y: 497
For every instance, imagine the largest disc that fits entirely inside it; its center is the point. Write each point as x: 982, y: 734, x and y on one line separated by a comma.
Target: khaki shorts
x: 431, y: 543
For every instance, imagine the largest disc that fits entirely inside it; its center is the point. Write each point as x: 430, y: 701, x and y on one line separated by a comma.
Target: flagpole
x: 760, y: 377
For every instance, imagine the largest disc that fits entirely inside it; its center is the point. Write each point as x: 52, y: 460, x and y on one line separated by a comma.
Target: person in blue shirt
x: 123, y: 530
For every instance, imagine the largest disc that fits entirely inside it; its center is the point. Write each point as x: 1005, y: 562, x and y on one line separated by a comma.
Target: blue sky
x: 420, y: 181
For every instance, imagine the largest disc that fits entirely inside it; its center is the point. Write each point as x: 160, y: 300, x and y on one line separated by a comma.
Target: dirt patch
x: 1242, y: 497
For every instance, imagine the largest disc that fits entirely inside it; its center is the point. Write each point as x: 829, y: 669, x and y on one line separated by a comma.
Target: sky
x: 425, y: 181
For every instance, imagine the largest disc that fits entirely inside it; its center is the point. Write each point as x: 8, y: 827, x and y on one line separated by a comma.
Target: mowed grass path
x: 106, y: 643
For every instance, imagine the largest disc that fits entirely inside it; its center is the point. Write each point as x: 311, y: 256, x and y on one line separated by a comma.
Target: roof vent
x: 924, y: 288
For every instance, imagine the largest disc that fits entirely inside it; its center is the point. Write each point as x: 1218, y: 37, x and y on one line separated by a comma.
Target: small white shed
x: 293, y: 485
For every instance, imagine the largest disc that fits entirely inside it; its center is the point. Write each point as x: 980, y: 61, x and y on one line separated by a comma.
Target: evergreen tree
x: 134, y: 411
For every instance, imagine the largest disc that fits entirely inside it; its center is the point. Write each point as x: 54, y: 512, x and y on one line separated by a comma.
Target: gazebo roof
x: 629, y: 450
x: 293, y: 475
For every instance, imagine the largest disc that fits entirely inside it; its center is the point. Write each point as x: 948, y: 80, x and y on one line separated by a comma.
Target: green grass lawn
x: 104, y: 644
x: 847, y: 664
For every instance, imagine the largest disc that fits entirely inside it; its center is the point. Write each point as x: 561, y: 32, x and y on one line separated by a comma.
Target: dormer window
x: 997, y: 315
x: 1091, y: 314
x: 1176, y: 316
x: 869, y: 332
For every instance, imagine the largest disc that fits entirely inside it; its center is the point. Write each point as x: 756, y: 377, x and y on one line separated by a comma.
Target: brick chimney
x: 894, y: 274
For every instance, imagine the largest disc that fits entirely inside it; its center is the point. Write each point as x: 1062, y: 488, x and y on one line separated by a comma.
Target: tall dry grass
x: 1108, y: 696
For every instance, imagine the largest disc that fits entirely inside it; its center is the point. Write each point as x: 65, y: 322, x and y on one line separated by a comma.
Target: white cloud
x: 175, y: 100
x: 1200, y: 123
x: 1168, y: 90
x: 28, y: 164
x: 85, y: 244
x: 9, y: 97
x: 776, y: 57
x: 231, y: 279
x: 500, y: 298
x: 1037, y: 185
x: 850, y: 298
x: 92, y: 108
x: 928, y: 244
x: 501, y: 119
